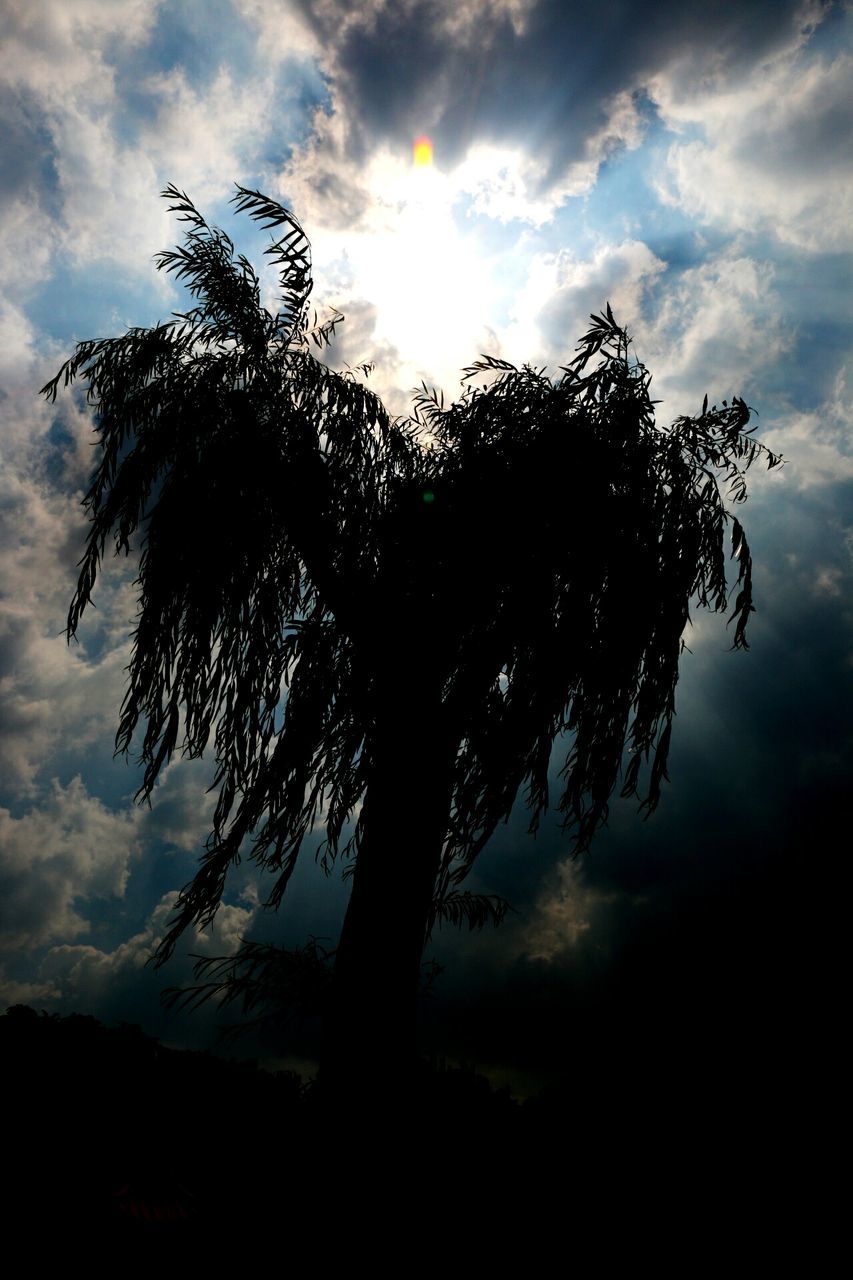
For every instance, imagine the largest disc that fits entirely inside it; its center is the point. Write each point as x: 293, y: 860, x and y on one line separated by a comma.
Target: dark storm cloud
x: 705, y: 926
x: 718, y: 947
x: 540, y: 76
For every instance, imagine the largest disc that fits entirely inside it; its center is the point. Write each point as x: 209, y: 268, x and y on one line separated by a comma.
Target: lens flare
x: 422, y: 152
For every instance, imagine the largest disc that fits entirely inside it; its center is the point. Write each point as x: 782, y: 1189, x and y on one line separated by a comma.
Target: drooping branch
x: 304, y: 559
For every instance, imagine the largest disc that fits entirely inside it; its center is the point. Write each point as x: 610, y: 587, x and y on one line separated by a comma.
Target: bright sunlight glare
x: 422, y: 152
x: 431, y: 287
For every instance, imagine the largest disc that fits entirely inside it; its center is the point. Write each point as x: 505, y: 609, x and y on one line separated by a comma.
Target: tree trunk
x: 371, y: 1046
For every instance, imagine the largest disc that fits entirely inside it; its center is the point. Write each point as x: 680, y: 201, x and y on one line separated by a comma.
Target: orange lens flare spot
x: 422, y: 152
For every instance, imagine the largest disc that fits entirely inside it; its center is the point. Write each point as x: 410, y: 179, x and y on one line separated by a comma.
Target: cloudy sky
x: 689, y: 162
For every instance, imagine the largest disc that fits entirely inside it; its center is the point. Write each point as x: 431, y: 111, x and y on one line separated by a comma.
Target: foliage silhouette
x: 389, y: 622
x: 275, y: 984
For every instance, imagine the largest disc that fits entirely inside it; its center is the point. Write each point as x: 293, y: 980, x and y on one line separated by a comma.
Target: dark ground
x: 120, y: 1147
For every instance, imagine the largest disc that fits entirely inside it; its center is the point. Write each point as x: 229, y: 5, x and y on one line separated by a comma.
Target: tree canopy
x: 319, y: 581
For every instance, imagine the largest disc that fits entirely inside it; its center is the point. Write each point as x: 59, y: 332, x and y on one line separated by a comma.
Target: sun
x: 422, y: 152
x: 423, y: 270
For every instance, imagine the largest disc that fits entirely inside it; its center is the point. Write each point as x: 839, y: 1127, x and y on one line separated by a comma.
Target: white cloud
x: 55, y: 56
x: 14, y: 992
x: 508, y: 183
x: 27, y: 245
x: 53, y: 701
x: 111, y: 161
x: 110, y: 213
x: 78, y: 969
x: 564, y: 915
x: 721, y: 329
x: 205, y: 139
x: 280, y: 30
x: 81, y: 971
x: 55, y: 48
x: 774, y: 156
x: 56, y: 857
x: 181, y: 810
x: 828, y: 582
x: 52, y: 694
x: 816, y: 447
x: 719, y: 320
x: 552, y: 308
x: 468, y: 19
x: 17, y: 351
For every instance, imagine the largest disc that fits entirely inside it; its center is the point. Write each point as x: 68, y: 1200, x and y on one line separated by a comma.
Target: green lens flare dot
x: 429, y: 496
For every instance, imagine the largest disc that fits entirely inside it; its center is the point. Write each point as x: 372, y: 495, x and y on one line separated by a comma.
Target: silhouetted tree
x: 391, y: 621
